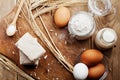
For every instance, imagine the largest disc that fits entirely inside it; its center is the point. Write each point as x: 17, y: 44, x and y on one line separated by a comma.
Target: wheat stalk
x: 8, y: 63
x: 38, y: 3
x: 41, y: 35
x: 33, y: 1
x: 48, y: 44
x: 60, y: 54
x: 66, y: 3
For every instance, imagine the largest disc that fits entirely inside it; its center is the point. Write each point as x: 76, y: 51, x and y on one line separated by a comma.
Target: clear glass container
x: 99, y: 7
x: 81, y: 25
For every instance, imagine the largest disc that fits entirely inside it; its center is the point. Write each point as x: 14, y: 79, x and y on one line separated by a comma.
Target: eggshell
x: 62, y: 16
x: 91, y: 57
x: 96, y: 71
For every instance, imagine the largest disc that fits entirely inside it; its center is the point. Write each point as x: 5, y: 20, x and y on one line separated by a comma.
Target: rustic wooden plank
x: 19, y: 77
x: 9, y: 65
x: 6, y: 73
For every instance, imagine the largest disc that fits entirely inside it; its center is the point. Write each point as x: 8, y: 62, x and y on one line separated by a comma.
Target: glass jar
x: 99, y: 7
x: 81, y: 25
x: 105, y: 38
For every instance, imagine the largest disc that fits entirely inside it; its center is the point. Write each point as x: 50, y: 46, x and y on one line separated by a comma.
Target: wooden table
x: 49, y: 68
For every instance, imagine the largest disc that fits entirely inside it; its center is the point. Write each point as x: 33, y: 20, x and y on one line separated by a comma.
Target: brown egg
x: 62, y: 16
x: 96, y: 71
x: 91, y: 57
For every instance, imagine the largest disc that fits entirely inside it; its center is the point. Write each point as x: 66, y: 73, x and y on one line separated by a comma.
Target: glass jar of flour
x: 81, y: 25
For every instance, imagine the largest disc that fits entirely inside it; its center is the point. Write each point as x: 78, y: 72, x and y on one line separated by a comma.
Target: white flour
x: 81, y: 24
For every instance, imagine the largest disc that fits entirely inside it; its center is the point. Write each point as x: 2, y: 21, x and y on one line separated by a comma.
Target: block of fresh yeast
x: 30, y: 47
x: 24, y: 60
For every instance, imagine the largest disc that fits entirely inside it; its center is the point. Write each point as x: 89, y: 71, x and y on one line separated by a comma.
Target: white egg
x: 80, y: 71
x: 10, y: 31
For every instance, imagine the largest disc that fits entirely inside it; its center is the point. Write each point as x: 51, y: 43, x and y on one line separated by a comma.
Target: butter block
x: 30, y: 47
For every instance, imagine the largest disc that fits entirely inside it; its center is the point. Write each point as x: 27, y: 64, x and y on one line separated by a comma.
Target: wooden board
x: 50, y: 68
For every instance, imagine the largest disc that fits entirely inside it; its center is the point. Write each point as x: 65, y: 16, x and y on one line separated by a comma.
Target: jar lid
x: 81, y: 24
x: 108, y: 36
